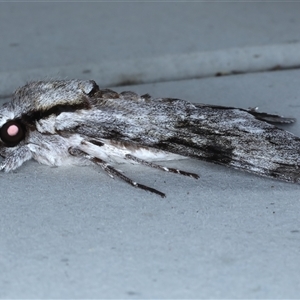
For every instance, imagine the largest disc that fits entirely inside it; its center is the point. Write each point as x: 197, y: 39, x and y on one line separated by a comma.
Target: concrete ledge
x: 165, y: 68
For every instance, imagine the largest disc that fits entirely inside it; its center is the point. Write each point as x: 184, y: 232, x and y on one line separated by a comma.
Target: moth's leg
x: 14, y: 159
x: 156, y: 166
x: 112, y: 171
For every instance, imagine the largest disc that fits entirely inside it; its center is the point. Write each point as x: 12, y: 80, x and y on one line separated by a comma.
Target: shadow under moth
x: 76, y: 122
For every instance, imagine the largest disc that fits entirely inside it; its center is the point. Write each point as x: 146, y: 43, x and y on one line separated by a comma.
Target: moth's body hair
x: 75, y: 122
x: 55, y: 151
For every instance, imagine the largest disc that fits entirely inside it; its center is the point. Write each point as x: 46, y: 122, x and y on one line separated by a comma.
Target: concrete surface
x: 55, y: 34
x: 76, y: 233
x: 118, y: 42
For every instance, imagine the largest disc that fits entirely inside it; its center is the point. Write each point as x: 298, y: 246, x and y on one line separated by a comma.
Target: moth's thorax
x: 43, y: 95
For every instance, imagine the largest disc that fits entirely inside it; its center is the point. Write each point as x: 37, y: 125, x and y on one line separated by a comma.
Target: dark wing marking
x: 270, y: 118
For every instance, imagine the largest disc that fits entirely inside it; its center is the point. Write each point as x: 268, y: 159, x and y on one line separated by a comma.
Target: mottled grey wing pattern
x: 227, y: 136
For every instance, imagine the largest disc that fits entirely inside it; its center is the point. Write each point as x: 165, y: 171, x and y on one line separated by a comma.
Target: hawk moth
x: 76, y: 122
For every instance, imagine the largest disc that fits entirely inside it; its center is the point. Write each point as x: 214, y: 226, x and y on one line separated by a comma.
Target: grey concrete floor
x: 76, y: 233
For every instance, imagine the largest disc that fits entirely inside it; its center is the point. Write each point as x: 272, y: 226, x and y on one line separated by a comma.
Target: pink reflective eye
x: 12, y: 133
x: 12, y: 130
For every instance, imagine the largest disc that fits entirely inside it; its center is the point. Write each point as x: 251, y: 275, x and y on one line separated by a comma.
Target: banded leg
x: 156, y: 166
x: 111, y: 171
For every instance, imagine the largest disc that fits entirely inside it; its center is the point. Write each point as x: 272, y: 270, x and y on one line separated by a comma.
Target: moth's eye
x: 12, y: 133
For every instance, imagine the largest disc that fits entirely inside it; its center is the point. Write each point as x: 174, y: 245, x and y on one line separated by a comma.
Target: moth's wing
x: 237, y: 138
x: 270, y: 118
x: 227, y: 136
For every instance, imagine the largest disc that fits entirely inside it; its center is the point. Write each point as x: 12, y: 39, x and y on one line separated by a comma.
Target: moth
x: 76, y: 122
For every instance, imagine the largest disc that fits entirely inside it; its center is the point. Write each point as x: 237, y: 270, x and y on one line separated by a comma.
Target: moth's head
x: 12, y: 131
x: 38, y: 100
